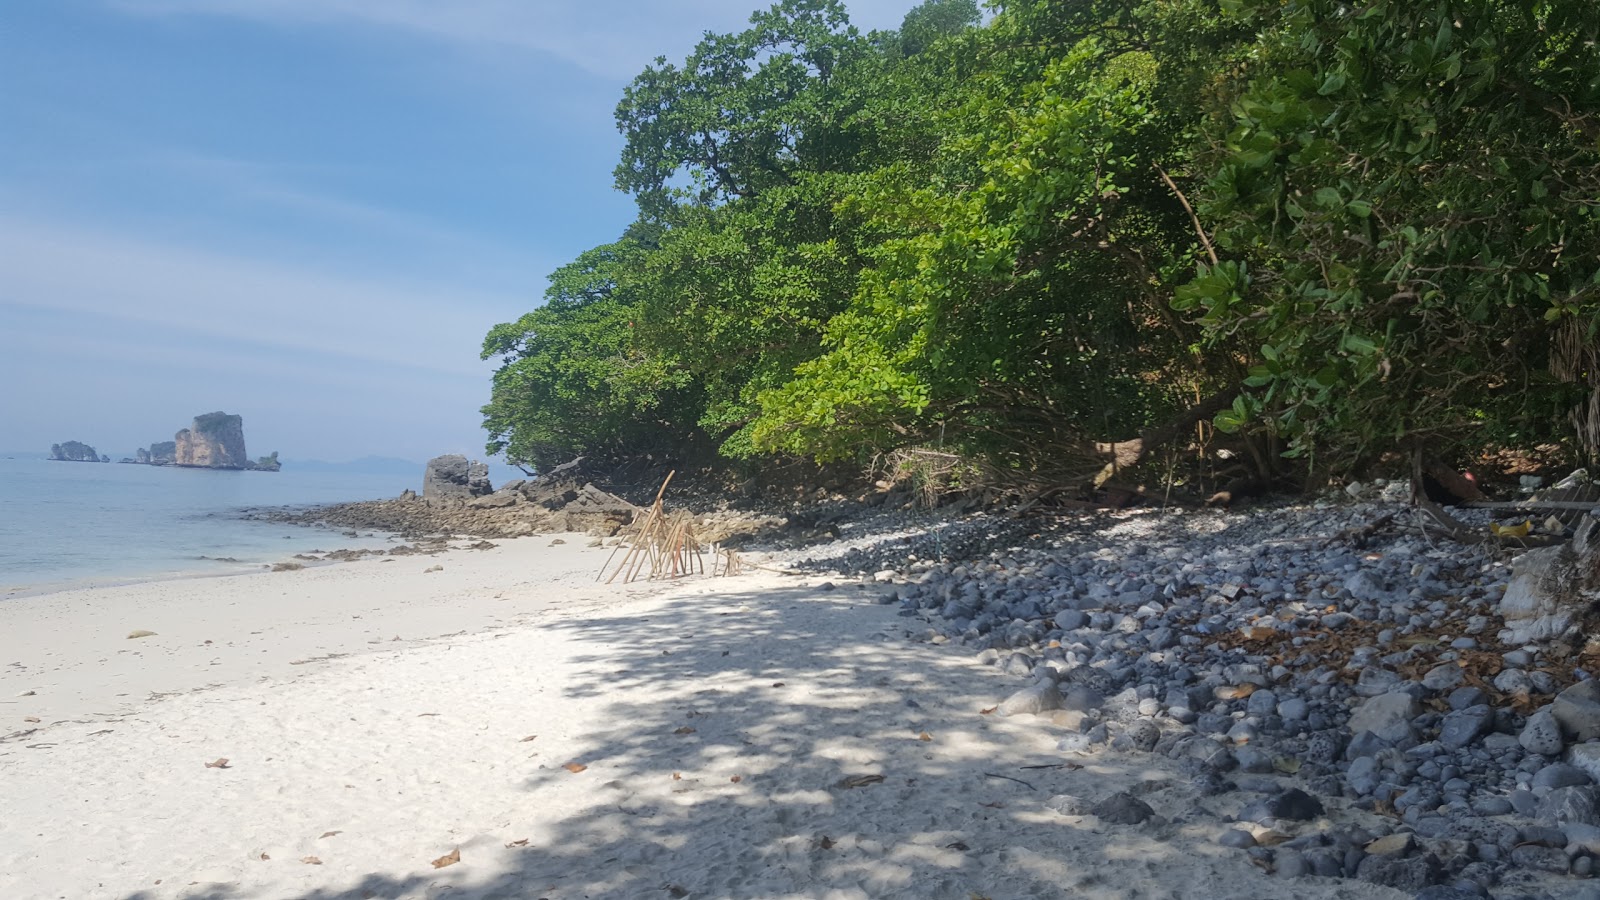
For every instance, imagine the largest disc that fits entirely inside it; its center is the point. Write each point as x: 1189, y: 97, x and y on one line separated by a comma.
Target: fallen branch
x: 1009, y: 778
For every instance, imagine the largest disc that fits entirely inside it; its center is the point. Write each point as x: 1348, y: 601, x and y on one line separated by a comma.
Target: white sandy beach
x: 376, y: 717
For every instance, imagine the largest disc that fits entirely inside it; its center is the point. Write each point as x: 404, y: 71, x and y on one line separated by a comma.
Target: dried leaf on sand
x: 220, y: 763
x: 449, y: 859
x: 139, y: 633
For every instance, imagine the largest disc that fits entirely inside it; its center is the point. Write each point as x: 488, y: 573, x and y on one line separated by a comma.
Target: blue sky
x: 308, y: 212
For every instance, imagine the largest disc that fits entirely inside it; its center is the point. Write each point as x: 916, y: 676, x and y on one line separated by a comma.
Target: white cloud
x: 609, y: 38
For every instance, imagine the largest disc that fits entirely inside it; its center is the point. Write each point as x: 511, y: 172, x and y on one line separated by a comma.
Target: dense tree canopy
x: 1061, y: 226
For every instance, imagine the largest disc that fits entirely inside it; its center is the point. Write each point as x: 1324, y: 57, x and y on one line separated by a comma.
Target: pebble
x: 1542, y: 734
x: 1122, y: 808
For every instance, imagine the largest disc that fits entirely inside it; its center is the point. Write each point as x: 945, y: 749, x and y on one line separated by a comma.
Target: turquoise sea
x: 66, y: 524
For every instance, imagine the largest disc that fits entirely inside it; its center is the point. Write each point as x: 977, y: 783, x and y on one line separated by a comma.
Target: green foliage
x: 1072, y: 221
x: 1408, y: 195
x: 573, y: 380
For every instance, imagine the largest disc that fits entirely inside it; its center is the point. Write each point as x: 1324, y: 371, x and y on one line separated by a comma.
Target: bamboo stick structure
x: 663, y: 544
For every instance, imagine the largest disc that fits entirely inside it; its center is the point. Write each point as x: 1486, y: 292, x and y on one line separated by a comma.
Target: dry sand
x: 747, y: 737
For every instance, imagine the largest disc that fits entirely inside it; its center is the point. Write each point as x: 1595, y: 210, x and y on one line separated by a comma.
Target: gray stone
x: 453, y: 478
x: 1069, y: 805
x: 1443, y: 677
x: 1466, y: 697
x: 1542, y: 734
x: 1373, y: 681
x: 1543, y: 835
x: 1398, y: 844
x: 1365, y: 743
x: 1363, y: 775
x: 1291, y: 864
x: 1525, y: 803
x: 1582, y: 838
x: 1410, y: 873
x: 1293, y: 804
x: 1567, y: 805
x: 1082, y: 699
x: 1449, y: 892
x: 1530, y: 606
x: 1513, y: 681
x: 1388, y: 716
x: 1560, y: 775
x: 1237, y: 838
x: 1491, y: 806
x: 1038, y: 697
x: 1261, y: 703
x: 1577, y: 710
x: 1143, y: 735
x: 1293, y: 709
x: 1585, y: 757
x: 1122, y: 808
x: 1462, y: 727
x: 1543, y: 859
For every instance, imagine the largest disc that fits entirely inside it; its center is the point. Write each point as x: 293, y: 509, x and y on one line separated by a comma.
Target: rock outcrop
x: 562, y: 500
x: 453, y: 479
x: 214, y: 441
x: 160, y: 453
x: 74, y: 451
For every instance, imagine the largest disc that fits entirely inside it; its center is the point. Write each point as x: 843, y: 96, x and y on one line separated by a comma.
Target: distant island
x: 76, y: 451
x: 213, y: 441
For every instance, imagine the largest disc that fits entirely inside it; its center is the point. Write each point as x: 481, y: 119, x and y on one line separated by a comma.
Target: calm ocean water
x: 66, y: 523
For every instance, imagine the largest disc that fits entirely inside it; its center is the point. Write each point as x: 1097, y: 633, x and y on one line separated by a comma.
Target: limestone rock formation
x: 74, y: 451
x: 452, y: 478
x: 214, y: 441
x: 160, y: 453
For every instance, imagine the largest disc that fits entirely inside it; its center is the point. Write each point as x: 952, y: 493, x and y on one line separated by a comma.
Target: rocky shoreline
x: 1356, y: 693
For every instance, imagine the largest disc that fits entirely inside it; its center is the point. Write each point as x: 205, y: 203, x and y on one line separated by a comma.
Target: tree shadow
x: 791, y: 742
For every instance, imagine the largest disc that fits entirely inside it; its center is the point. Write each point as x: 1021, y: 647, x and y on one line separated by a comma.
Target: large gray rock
x: 1551, y: 586
x: 1405, y: 873
x: 1041, y: 696
x: 1388, y: 716
x: 453, y: 478
x: 214, y: 440
x: 594, y: 511
x: 1542, y: 734
x: 1569, y: 805
x: 1463, y: 726
x: 1577, y: 711
x: 1587, y: 758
